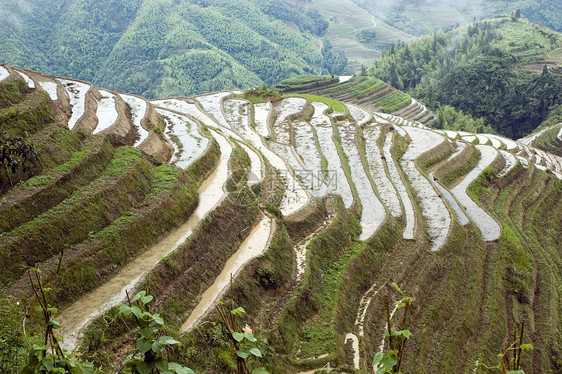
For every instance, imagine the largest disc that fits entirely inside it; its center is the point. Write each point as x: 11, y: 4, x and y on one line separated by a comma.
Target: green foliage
x: 396, y: 100
x: 418, y: 18
x: 38, y: 181
x: 306, y: 82
x: 89, y: 209
x: 449, y: 118
x: 385, y: 362
x: 474, y: 70
x: 545, y: 12
x: 30, y: 141
x: 27, y: 201
x: 459, y: 166
x: 390, y: 361
x: 13, y: 342
x: 365, y: 90
x: 124, y: 157
x: 12, y: 92
x: 334, y: 62
x: 244, y: 342
x: 509, y: 361
x: 548, y: 140
x: 336, y: 105
x: 239, y: 164
x: 261, y: 94
x: 149, y: 357
x: 16, y: 152
x: 50, y: 357
x: 171, y: 199
x: 159, y: 48
x: 41, y: 360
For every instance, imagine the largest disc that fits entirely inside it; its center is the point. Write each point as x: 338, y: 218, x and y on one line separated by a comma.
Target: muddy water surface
x: 76, y: 317
x: 254, y: 245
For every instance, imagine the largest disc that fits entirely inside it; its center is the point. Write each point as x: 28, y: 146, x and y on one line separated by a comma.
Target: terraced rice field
x: 188, y: 143
x: 373, y: 213
x: 212, y: 105
x: 51, y: 88
x: 254, y: 245
x: 236, y: 114
x: 27, y: 79
x: 4, y: 73
x: 433, y: 209
x: 113, y: 292
x: 376, y: 166
x: 306, y: 148
x: 77, y: 94
x: 396, y: 179
x: 488, y: 227
x: 106, y: 112
x: 509, y: 144
x: 510, y: 162
x: 138, y: 113
x: 256, y: 166
x: 337, y: 180
x: 261, y: 115
x: 359, y: 115
x: 313, y: 272
x: 282, y: 128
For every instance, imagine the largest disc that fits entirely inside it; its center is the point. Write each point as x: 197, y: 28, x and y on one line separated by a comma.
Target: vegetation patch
x: 459, y: 70
x: 336, y: 105
x: 35, y: 141
x: 88, y: 210
x: 40, y: 193
x: 261, y: 94
x: 435, y: 155
x: 12, y: 92
x: 306, y: 82
x: 395, y: 101
x: 172, y: 198
x: 459, y: 166
x: 323, y: 251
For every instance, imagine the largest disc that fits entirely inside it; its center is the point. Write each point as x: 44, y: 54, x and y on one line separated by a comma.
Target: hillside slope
x: 484, y: 70
x: 360, y: 89
x: 160, y: 48
x: 305, y: 209
x: 364, y: 29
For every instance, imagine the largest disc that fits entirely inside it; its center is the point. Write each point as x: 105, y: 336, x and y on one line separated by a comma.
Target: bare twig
x: 401, y: 349
x: 56, y: 280
x: 514, y: 339
x: 388, y: 325
x: 517, y: 364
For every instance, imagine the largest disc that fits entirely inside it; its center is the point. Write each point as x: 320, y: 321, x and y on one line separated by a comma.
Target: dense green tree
x: 475, y: 70
x: 161, y: 47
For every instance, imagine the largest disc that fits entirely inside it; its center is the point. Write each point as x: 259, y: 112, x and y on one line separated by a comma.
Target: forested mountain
x: 365, y: 28
x: 418, y: 17
x: 504, y: 70
x: 161, y: 48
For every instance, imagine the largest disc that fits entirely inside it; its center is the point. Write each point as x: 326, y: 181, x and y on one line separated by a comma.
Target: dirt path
x: 555, y: 58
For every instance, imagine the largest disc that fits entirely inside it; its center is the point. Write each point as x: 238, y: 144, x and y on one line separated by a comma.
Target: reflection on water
x: 76, y: 317
x: 254, y: 245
